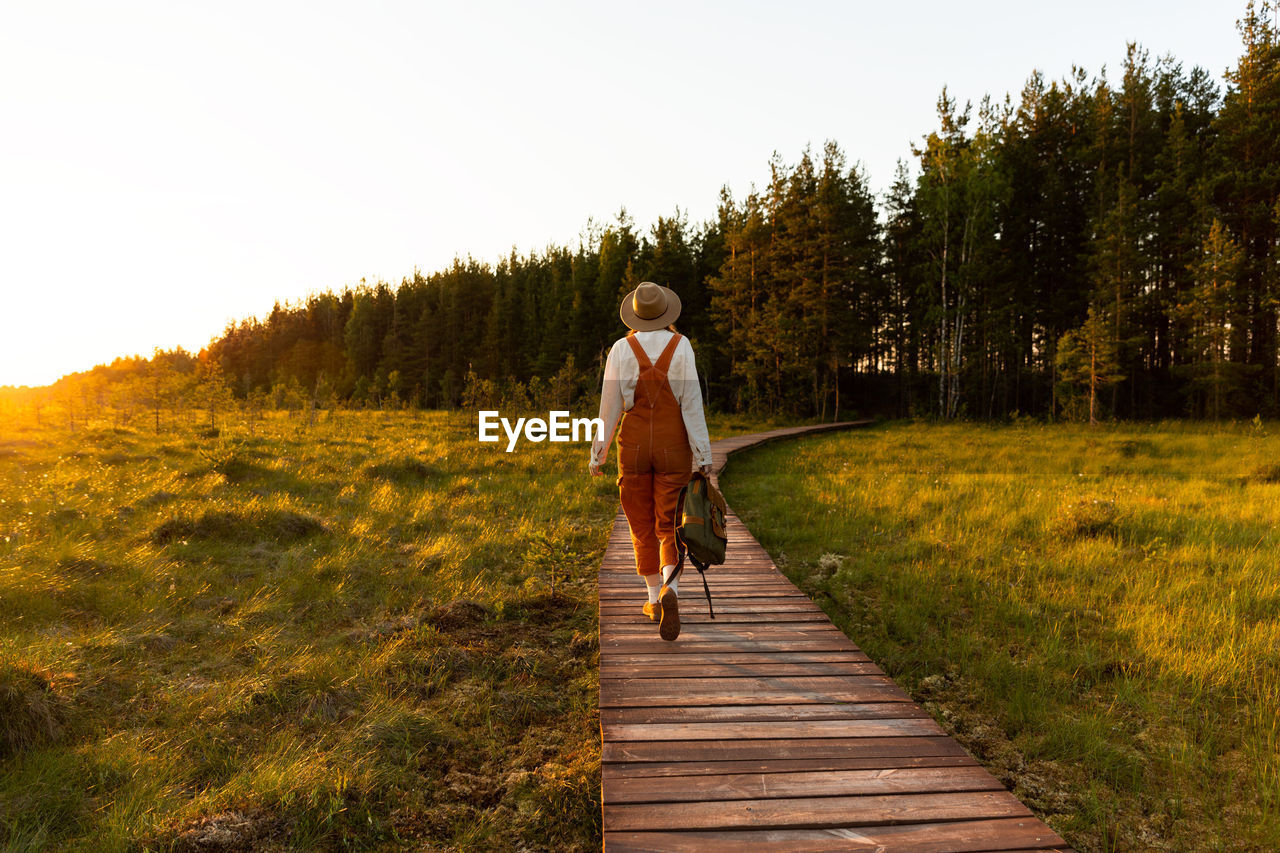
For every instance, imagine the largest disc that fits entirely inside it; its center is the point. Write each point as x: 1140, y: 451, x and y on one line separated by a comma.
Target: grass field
x: 369, y: 633
x: 342, y: 636
x: 1095, y: 614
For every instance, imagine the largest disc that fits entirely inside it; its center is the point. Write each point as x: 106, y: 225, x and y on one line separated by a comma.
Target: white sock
x: 670, y: 581
x: 653, y: 583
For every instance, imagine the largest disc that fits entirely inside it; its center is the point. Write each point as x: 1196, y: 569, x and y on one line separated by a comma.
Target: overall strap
x: 639, y: 351
x: 664, y: 360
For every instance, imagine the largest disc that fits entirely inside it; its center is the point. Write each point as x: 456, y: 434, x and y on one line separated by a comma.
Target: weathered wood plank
x: 643, y: 692
x: 700, y: 646
x: 728, y: 656
x: 919, y: 727
x: 675, y: 669
x: 627, y: 770
x: 715, y: 629
x: 976, y: 836
x: 701, y: 627
x: 762, y: 713
x: 632, y: 607
x: 760, y: 750
x: 729, y: 596
x: 690, y: 617
x: 804, y: 813
x: 763, y: 786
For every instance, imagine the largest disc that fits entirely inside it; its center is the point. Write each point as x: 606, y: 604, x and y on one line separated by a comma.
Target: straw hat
x: 650, y: 306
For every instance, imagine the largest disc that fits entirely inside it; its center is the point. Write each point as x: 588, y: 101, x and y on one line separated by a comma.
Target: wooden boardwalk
x: 769, y: 730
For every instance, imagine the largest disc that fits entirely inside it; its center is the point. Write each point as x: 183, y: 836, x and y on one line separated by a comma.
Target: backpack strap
x: 702, y: 572
x: 664, y: 360
x: 682, y: 552
x: 639, y: 351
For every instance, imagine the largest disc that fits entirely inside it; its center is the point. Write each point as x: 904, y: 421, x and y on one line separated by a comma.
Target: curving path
x: 767, y: 729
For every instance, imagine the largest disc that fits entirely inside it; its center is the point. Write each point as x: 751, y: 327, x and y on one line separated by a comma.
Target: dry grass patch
x: 32, y: 713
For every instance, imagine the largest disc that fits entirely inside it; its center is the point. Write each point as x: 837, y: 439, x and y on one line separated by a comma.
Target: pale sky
x: 166, y: 167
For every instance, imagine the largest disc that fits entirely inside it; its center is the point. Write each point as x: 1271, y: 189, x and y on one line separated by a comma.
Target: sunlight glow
x: 166, y: 168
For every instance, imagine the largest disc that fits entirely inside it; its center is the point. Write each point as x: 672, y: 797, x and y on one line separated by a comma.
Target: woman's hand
x: 705, y: 470
x: 595, y: 469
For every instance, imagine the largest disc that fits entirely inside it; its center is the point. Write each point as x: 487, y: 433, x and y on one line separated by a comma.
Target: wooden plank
x: 892, y: 727
x: 717, y: 670
x: 715, y: 628
x: 745, y: 572
x: 975, y: 836
x: 765, y: 578
x: 689, y: 617
x: 729, y: 596
x: 720, y: 632
x: 761, y: 713
x: 814, y: 812
x: 628, y: 770
x: 707, y: 631
x: 701, y: 646
x: 642, y: 692
x: 762, y: 786
x: 633, y: 608
x: 769, y: 749
x: 729, y: 656
x: 707, y: 628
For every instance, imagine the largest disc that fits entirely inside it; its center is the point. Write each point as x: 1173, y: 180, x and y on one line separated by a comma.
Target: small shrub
x: 405, y: 471
x: 1265, y: 474
x: 830, y: 563
x: 411, y: 732
x: 278, y: 526
x: 458, y: 614
x: 523, y: 707
x: 328, y: 706
x: 424, y: 673
x: 232, y: 461
x: 1088, y: 517
x: 238, y: 469
x: 562, y: 800
x: 1132, y: 447
x: 31, y: 713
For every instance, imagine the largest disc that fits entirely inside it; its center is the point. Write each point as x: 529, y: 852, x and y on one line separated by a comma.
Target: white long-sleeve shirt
x: 617, y: 395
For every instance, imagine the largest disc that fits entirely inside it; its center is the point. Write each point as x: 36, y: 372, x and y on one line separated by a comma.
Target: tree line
x: 1094, y: 248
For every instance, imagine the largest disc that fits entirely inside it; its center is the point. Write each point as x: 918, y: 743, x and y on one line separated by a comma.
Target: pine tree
x: 1087, y: 358
x: 1206, y: 313
x: 213, y: 392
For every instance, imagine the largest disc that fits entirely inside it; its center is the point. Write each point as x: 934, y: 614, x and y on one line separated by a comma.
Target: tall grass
x: 342, y: 636
x: 1094, y: 613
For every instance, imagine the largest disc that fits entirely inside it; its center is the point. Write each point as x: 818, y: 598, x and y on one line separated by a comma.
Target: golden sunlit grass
x: 1094, y: 613
x: 337, y: 636
x: 369, y: 633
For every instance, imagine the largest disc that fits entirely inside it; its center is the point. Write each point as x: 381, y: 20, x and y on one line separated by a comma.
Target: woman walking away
x: 651, y: 383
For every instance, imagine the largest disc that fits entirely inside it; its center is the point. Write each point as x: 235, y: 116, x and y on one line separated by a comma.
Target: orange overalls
x: 655, y: 461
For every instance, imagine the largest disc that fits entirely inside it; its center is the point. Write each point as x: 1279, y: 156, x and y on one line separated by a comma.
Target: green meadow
x: 1093, y: 613
x: 373, y: 632
x: 370, y: 632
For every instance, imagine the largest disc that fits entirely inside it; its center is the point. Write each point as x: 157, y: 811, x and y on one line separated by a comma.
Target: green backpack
x: 700, y: 528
